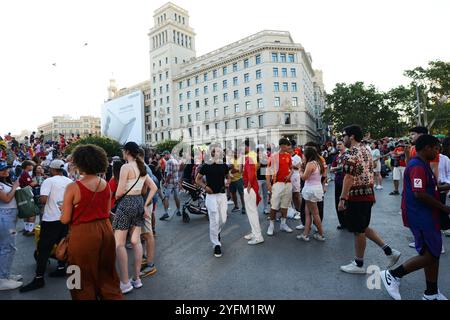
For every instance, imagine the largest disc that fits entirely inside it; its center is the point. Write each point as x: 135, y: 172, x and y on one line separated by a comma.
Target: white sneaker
x: 391, y: 283
x: 125, y: 288
x: 285, y: 227
x: 318, y: 237
x: 136, y: 283
x: 438, y: 296
x: 255, y: 241
x: 15, y: 277
x: 412, y: 245
x: 270, y: 230
x: 248, y: 236
x: 297, y: 216
x: 393, y: 258
x: 300, y: 227
x: 380, y: 188
x: 353, y: 268
x: 303, y: 237
x: 443, y: 250
x: 8, y: 284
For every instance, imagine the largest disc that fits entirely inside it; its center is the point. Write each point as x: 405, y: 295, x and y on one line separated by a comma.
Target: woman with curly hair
x: 86, y: 207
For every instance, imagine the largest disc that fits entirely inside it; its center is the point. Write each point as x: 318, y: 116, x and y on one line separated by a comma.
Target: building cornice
x: 158, y: 28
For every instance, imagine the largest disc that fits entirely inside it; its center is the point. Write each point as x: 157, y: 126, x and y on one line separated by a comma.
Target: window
x: 154, y: 79
x: 180, y: 85
x: 248, y: 105
x: 181, y: 109
x: 154, y: 103
x: 197, y: 91
x: 236, y: 108
x: 190, y: 132
x: 206, y: 102
x: 258, y: 59
x: 162, y: 123
x: 291, y: 58
x: 246, y: 63
x: 216, y: 126
x: 188, y: 94
x: 205, y: 77
x: 188, y: 82
x: 284, y: 72
x: 258, y: 74
x: 225, y: 110
x: 214, y: 87
x: 160, y: 77
x: 168, y: 122
x: 236, y: 94
x: 260, y: 103
x: 167, y: 99
x: 274, y: 57
x: 160, y: 101
x: 167, y: 88
x: 295, y: 102
x: 259, y: 88
x: 293, y: 73
x: 277, y: 102
x: 276, y: 86
x: 197, y: 116
x: 154, y: 113
x: 225, y: 97
x: 189, y: 118
x: 261, y: 121
x: 196, y: 79
x: 247, y: 91
x: 160, y: 90
x: 224, y: 70
x: 227, y: 125
x: 287, y: 118
x: 235, y: 67
x: 207, y: 128
x: 246, y: 77
x: 215, y: 73
x: 249, y: 122
x: 168, y: 110
x: 283, y: 57
x: 275, y: 72
x: 154, y: 91
x: 285, y: 87
x: 235, y: 81
x: 216, y: 99
x: 294, y: 86
x: 198, y: 131
x: 236, y: 122
x: 197, y: 104
x: 189, y: 106
x: 225, y: 84
x: 206, y: 115
x: 181, y: 120
x: 205, y: 89
x: 180, y: 97
x: 216, y: 113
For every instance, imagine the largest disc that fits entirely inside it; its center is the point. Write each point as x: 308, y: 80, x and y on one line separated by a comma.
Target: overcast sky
x: 350, y: 40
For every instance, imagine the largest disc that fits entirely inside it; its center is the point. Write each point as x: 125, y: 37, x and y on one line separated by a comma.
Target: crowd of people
x: 104, y: 206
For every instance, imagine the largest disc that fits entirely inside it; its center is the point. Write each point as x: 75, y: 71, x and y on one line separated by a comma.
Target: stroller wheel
x: 186, y: 217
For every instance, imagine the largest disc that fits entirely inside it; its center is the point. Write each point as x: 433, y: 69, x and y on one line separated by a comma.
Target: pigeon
x: 85, y: 44
x: 54, y: 64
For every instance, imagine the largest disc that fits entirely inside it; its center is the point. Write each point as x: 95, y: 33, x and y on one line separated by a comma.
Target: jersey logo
x: 417, y: 183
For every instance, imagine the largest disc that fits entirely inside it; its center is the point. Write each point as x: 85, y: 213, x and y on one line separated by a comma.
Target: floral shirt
x: 358, y: 164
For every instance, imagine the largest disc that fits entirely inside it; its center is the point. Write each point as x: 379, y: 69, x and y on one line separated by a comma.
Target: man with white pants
x: 216, y: 172
x: 251, y: 194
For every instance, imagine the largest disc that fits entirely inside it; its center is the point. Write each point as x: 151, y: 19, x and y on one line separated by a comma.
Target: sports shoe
x: 438, y: 296
x: 137, y: 284
x: 394, y: 193
x: 297, y: 216
x: 235, y: 209
x: 9, y: 284
x: 147, y: 271
x: 443, y: 250
x: 217, y: 251
x: 391, y: 283
x: 379, y: 188
x: 164, y: 217
x: 270, y: 230
x: 248, y: 236
x: 284, y: 227
x: 178, y: 213
x: 266, y: 211
x: 37, y: 283
x: 58, y: 273
x: 300, y: 227
x: 446, y: 233
x: 126, y: 288
x: 318, y: 237
x: 255, y: 241
x: 412, y: 245
x: 303, y: 237
x: 353, y: 268
x: 393, y: 258
x: 243, y: 211
x: 15, y: 277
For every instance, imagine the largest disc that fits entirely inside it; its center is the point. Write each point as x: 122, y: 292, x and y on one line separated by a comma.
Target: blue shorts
x: 237, y: 186
x: 428, y: 240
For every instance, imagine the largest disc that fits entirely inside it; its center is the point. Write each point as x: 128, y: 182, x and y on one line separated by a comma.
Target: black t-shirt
x: 187, y: 172
x: 156, y: 173
x: 215, y: 176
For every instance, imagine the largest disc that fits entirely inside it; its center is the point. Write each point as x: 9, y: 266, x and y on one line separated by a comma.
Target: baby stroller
x: 196, y: 203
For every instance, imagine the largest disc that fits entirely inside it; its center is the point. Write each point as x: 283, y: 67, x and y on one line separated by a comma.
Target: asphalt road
x: 281, y: 268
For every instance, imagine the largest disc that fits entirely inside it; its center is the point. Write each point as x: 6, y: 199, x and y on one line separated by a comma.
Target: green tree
x: 166, y: 145
x: 357, y: 104
x: 112, y: 147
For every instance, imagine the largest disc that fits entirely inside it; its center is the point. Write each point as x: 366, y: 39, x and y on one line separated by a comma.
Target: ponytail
x: 141, y: 166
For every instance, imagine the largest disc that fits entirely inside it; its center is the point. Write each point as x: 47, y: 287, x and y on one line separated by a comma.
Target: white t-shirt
x: 10, y: 205
x: 54, y: 188
x: 444, y: 169
x: 375, y: 154
x: 296, y: 161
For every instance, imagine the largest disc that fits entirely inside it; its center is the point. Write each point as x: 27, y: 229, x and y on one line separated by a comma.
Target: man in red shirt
x: 415, y: 133
x: 279, y: 174
x: 399, y: 166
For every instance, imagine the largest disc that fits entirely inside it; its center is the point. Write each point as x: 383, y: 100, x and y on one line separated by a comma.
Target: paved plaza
x: 282, y: 268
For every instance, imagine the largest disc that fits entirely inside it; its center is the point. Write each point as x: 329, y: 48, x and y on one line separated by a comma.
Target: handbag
x: 116, y: 204
x: 61, y: 251
x: 25, y: 203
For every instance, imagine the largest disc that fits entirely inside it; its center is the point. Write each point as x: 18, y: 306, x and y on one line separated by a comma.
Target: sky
x: 350, y: 40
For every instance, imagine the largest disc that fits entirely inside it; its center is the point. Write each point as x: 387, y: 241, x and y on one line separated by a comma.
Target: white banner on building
x: 123, y: 118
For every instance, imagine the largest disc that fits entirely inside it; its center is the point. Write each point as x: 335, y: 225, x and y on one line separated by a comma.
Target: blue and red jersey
x: 416, y: 214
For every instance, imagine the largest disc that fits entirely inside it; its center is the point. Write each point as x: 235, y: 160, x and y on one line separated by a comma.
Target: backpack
x: 25, y: 203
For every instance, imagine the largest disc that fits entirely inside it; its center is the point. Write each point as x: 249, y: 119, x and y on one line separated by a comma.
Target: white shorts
x: 377, y: 168
x: 295, y: 180
x: 313, y: 194
x: 281, y: 195
x: 398, y: 173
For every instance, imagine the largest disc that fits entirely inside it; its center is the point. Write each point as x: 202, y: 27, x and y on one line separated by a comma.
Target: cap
x: 4, y: 166
x: 131, y: 146
x: 116, y: 158
x: 166, y: 152
x: 57, y: 164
